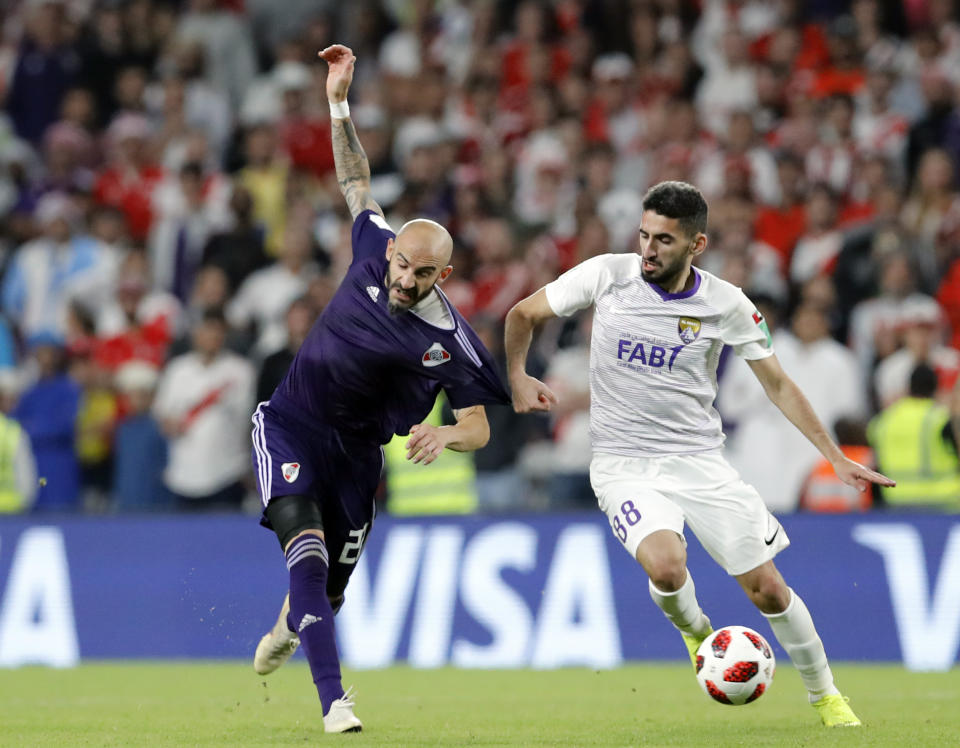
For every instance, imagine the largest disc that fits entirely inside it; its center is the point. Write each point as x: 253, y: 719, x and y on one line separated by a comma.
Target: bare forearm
x: 517, y: 335
x: 353, y: 169
x: 470, y: 432
x: 794, y: 405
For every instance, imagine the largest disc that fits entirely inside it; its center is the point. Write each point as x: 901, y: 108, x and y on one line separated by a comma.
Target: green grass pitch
x: 227, y: 704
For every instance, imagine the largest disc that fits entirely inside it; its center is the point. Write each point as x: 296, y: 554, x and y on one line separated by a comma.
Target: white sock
x: 796, y: 633
x: 681, y: 608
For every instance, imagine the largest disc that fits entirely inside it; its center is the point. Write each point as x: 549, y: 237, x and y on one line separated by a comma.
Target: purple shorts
x: 341, y: 474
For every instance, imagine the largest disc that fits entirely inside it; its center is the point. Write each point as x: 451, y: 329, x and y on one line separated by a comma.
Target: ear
x: 700, y: 244
x: 445, y: 273
x: 390, y: 246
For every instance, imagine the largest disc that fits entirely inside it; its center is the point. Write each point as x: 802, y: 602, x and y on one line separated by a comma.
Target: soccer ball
x: 735, y: 665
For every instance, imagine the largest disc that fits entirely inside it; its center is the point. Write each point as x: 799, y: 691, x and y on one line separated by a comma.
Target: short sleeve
x: 370, y: 236
x: 577, y: 288
x: 744, y: 328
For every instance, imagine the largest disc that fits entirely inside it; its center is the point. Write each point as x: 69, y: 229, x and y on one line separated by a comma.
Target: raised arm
x: 787, y: 396
x: 353, y: 169
x: 529, y: 393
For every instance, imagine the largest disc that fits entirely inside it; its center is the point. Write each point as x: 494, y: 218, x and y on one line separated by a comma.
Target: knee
x: 769, y: 593
x: 667, y: 574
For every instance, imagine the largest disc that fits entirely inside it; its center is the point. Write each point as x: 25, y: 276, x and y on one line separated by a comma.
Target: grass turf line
x: 226, y: 704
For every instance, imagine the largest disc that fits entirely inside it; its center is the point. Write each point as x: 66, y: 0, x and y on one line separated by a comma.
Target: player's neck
x: 680, y: 283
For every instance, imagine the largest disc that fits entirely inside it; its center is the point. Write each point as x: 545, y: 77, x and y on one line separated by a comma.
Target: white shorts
x: 641, y: 495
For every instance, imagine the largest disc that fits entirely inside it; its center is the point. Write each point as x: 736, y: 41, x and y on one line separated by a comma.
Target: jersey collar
x: 682, y: 294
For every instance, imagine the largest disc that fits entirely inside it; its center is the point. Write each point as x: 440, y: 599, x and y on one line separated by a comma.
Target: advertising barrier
x: 526, y: 591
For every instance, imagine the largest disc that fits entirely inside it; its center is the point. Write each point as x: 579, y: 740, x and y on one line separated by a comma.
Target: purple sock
x: 311, y: 615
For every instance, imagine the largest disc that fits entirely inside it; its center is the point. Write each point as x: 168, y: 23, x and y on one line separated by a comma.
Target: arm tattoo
x: 353, y: 169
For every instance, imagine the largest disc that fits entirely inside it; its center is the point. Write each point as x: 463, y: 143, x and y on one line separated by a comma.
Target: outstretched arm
x: 791, y: 401
x: 353, y: 169
x: 529, y: 393
x: 470, y: 432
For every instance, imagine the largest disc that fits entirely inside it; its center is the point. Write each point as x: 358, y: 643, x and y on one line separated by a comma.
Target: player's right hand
x: 340, y: 76
x: 530, y: 395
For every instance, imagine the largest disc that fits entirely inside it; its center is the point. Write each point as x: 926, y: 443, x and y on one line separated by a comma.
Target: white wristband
x: 340, y: 109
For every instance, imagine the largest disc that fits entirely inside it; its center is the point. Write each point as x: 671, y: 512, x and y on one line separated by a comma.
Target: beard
x: 397, y: 307
x: 664, y: 275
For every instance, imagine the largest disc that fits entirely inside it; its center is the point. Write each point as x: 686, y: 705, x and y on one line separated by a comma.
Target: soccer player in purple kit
x: 371, y: 367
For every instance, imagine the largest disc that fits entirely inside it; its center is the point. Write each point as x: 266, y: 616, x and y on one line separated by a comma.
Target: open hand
x: 860, y: 477
x: 341, y: 61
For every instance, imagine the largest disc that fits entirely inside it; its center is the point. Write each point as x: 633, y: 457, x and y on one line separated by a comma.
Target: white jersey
x: 654, y: 355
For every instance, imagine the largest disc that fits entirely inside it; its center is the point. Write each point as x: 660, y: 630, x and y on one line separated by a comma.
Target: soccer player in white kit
x: 658, y: 328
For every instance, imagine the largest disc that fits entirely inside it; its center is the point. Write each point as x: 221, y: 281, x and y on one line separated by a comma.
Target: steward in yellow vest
x: 444, y: 486
x: 17, y: 468
x: 909, y: 440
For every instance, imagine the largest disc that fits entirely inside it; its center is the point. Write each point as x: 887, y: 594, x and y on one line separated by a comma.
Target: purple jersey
x: 371, y: 374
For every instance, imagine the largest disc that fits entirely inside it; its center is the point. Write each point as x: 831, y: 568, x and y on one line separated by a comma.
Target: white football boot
x: 277, y: 644
x: 341, y: 718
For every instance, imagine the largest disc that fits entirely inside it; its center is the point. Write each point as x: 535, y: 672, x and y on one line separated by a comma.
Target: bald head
x: 419, y: 258
x: 424, y: 235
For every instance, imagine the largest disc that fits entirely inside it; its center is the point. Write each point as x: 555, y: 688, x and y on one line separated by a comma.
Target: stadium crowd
x: 171, y: 225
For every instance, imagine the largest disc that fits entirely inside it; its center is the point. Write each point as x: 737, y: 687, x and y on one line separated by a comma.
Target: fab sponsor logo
x: 634, y: 353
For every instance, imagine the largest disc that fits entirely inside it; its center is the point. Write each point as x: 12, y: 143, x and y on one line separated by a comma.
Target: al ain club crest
x: 689, y: 329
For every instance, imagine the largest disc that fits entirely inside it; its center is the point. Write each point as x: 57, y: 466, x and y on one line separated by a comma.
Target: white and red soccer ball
x: 735, y: 665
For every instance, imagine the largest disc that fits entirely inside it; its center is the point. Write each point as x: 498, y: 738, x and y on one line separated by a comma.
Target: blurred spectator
x: 831, y: 160
x: 766, y: 450
x: 8, y: 345
x: 877, y: 127
x: 264, y: 176
x: 47, y: 65
x: 740, y: 148
x: 131, y: 176
x: 817, y: 250
x: 874, y: 322
x: 262, y: 300
x: 227, y: 45
x: 931, y: 129
x: 921, y: 331
x: 186, y: 100
x: 140, y: 452
x: 60, y: 266
x: 304, y: 129
x: 823, y: 491
x: 203, y: 403
x: 932, y: 211
x: 568, y: 375
x: 781, y: 223
x: 137, y: 322
x: 190, y: 209
x: 239, y: 249
x: 301, y: 315
x: 18, y: 469
x: 730, y: 84
x: 909, y: 439
x: 97, y: 416
x: 47, y: 411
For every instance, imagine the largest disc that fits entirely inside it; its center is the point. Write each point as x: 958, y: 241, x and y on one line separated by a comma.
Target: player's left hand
x: 854, y: 474
x: 426, y: 442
